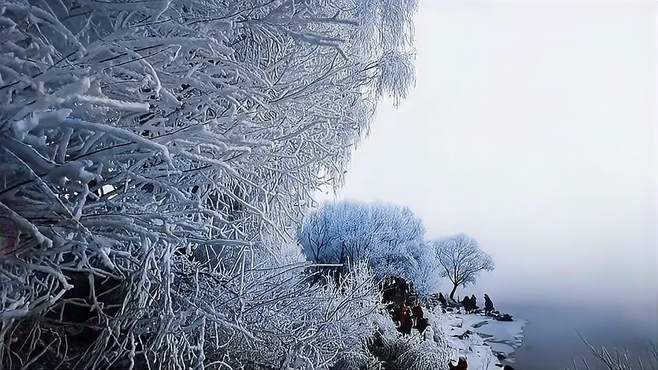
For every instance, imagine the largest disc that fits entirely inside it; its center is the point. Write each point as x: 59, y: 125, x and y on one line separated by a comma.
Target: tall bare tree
x: 461, y: 260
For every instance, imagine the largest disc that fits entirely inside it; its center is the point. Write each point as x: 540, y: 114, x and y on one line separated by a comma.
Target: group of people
x: 471, y: 304
x: 412, y: 317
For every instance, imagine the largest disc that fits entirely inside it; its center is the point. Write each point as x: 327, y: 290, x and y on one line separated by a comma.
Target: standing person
x: 488, y: 305
x: 405, y: 320
x: 466, y: 303
x: 474, y: 303
x: 417, y: 312
x: 442, y: 300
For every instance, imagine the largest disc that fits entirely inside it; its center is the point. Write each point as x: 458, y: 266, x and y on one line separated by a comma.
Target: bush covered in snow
x: 155, y: 159
x: 361, y: 360
x: 411, y: 352
x: 426, y: 355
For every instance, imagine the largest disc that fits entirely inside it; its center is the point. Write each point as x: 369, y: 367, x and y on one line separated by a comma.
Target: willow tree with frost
x: 156, y: 158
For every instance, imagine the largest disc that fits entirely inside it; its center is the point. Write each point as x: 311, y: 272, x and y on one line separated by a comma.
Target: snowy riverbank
x: 484, y: 341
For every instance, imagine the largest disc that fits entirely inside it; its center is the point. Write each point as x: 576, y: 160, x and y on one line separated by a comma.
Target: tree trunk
x: 452, y: 293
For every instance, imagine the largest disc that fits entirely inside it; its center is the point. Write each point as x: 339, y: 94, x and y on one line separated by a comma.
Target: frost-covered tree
x: 461, y: 260
x: 155, y: 158
x: 388, y: 237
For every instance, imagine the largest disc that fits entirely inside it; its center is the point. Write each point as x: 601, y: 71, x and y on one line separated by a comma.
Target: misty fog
x: 533, y: 128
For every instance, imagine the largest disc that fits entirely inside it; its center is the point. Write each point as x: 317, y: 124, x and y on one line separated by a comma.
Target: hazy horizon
x: 532, y: 127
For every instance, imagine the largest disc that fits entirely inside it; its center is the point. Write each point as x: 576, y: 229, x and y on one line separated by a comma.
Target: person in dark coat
x: 466, y: 303
x: 422, y: 325
x: 417, y: 313
x: 442, y: 300
x: 488, y: 305
x: 474, y: 303
x: 405, y: 320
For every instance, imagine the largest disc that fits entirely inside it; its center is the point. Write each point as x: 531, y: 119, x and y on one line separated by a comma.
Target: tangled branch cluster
x: 155, y: 159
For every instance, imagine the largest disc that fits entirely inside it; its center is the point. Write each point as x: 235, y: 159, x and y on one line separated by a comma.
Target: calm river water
x: 552, y: 341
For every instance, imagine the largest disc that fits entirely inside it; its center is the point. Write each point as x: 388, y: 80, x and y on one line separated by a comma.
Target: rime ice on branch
x: 155, y: 160
x: 389, y: 238
x: 461, y: 260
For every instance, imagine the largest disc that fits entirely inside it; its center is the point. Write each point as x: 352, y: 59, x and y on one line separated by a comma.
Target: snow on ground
x: 481, y: 339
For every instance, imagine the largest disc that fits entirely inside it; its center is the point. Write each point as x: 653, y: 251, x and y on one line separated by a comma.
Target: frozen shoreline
x: 484, y: 341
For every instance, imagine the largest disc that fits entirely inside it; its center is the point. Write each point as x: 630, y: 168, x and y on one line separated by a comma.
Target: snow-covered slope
x: 483, y: 340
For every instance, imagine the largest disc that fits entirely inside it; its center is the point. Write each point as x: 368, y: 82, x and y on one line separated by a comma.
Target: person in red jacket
x: 405, y: 320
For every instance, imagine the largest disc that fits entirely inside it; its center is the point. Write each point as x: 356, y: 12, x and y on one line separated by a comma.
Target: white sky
x: 533, y: 128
